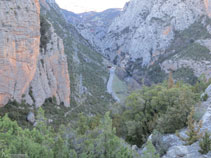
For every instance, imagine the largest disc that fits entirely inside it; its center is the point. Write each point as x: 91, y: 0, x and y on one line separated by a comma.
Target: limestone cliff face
x: 146, y: 28
x: 161, y: 32
x: 19, y: 46
x: 25, y: 72
x: 51, y: 77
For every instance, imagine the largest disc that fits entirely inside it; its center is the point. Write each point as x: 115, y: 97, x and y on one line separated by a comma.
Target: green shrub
x: 205, y: 97
x: 44, y: 30
x: 43, y: 142
x: 150, y: 151
x: 205, y: 144
x: 193, y: 133
x: 156, y: 107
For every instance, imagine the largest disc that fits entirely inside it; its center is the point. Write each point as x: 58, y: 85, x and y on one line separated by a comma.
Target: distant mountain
x: 93, y: 26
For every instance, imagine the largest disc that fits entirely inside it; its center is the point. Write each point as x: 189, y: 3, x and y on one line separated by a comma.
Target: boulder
x: 31, y: 117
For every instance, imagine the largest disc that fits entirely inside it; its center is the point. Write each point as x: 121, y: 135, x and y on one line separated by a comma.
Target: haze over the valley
x: 80, y: 6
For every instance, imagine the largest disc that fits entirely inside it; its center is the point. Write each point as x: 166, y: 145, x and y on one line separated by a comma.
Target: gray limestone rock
x: 31, y: 117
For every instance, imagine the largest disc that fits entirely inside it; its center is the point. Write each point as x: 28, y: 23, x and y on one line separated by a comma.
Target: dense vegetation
x: 86, y: 141
x: 163, y: 107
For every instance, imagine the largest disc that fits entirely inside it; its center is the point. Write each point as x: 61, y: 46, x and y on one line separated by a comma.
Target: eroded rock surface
x: 19, y: 46
x: 26, y: 71
x: 51, y: 77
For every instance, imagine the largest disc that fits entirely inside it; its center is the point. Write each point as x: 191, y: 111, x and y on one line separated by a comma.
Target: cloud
x: 79, y: 6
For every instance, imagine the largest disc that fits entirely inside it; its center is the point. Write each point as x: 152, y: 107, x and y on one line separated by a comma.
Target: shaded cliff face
x: 26, y: 73
x: 156, y: 36
x: 19, y: 47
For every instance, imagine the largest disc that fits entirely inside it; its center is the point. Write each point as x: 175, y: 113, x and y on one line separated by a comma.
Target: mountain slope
x: 93, y: 26
x: 151, y: 38
x: 87, y: 69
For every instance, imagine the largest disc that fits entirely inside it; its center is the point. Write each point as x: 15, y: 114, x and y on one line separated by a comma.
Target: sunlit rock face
x: 19, y: 46
x: 26, y: 71
x: 207, y: 4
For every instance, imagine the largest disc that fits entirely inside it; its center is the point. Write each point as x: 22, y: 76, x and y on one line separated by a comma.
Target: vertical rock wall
x: 51, y: 78
x: 25, y: 72
x: 19, y: 46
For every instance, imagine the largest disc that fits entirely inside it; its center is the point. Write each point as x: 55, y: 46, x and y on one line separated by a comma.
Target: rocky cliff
x: 51, y: 78
x: 158, y: 36
x: 93, y: 26
x: 26, y: 71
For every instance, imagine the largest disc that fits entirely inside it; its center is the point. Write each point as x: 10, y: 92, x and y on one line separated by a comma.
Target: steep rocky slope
x: 151, y: 38
x: 21, y: 75
x: 93, y: 26
x: 87, y: 69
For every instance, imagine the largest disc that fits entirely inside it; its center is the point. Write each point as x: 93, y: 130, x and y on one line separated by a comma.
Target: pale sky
x: 79, y: 6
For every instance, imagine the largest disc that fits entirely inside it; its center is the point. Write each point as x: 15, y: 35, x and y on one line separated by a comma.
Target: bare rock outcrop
x: 51, y: 77
x: 26, y: 73
x: 19, y: 47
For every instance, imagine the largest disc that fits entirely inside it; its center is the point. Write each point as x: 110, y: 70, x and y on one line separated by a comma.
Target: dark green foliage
x: 186, y: 75
x: 205, y: 144
x: 101, y: 142
x: 155, y: 74
x: 17, y: 112
x: 155, y: 107
x: 196, y: 52
x: 175, y: 116
x: 43, y: 142
x: 201, y: 84
x: 146, y: 75
x: 205, y: 97
x: 44, y: 30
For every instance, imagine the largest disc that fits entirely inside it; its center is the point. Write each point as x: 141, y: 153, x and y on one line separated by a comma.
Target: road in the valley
x: 110, y: 84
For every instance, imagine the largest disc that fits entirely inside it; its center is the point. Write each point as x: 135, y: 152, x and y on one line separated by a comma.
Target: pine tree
x: 193, y: 133
x: 205, y: 144
x: 150, y: 151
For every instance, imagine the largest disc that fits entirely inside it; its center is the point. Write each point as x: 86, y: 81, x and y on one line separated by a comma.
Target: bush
x: 205, y: 144
x: 150, y: 151
x: 160, y: 107
x: 44, y: 30
x: 205, y: 97
x: 193, y: 133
